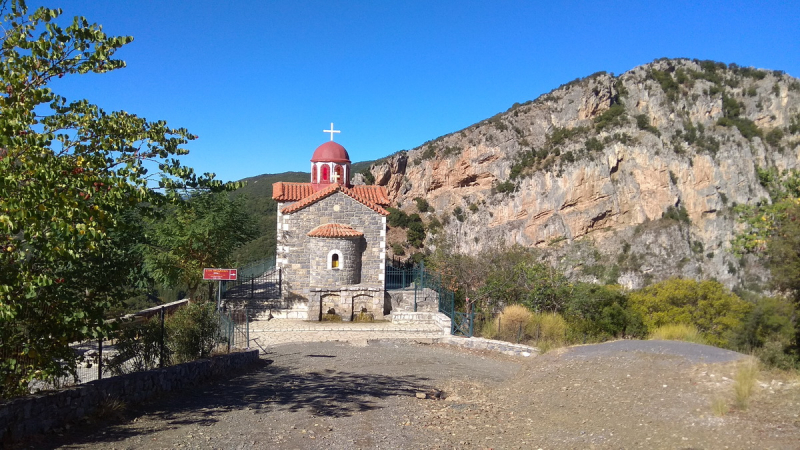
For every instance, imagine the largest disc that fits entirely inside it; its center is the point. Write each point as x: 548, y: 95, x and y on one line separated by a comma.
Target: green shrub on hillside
x: 422, y: 205
x: 369, y: 178
x: 643, y: 123
x: 416, y: 231
x: 679, y: 214
x: 602, y: 312
x: 613, y: 116
x: 397, y: 218
x: 707, y: 305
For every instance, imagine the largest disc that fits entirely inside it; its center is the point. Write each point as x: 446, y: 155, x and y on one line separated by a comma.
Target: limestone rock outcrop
x: 645, y: 166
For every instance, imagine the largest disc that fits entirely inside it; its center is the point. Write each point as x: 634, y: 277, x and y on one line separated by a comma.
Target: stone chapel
x: 332, y: 239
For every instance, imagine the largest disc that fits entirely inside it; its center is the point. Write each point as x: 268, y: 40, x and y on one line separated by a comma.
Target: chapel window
x: 314, y: 174
x: 338, y: 171
x: 335, y: 261
x: 326, y: 172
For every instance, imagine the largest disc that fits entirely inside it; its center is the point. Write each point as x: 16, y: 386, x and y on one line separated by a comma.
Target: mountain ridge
x: 602, y: 159
x: 625, y: 179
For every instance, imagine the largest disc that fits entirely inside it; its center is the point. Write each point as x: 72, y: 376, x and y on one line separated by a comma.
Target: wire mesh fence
x: 152, y: 341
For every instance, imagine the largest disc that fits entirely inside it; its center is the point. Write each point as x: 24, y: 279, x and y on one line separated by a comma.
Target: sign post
x: 219, y: 275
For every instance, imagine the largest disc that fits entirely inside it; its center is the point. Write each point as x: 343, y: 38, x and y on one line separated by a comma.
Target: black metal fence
x: 246, y: 289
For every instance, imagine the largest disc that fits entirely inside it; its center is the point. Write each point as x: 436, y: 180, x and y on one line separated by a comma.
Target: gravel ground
x: 625, y: 394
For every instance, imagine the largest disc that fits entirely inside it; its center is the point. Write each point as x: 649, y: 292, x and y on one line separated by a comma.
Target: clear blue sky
x: 258, y: 81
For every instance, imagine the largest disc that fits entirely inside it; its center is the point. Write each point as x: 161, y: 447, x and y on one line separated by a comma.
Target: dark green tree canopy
x: 74, y: 182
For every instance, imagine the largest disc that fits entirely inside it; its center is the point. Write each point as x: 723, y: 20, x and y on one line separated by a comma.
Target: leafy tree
x: 416, y: 231
x: 73, y: 177
x: 203, y: 231
x: 603, y: 311
x: 708, y: 305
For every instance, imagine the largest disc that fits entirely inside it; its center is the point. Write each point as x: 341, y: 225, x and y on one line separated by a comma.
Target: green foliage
x: 397, y: 218
x: 458, y: 213
x: 193, y: 332
x: 537, y: 286
x: 730, y: 107
x: 398, y: 249
x: 794, y: 126
x: 696, y: 136
x: 422, y: 205
x: 772, y: 319
x: 416, y: 231
x: 428, y: 153
x: 560, y: 136
x: 594, y: 145
x: 138, y: 348
x: 783, y: 245
x: 774, y: 137
x: 602, y: 312
x: 73, y: 185
x: 506, y: 187
x: 369, y: 178
x: 258, y: 202
x: 498, y: 123
x: 612, y: 117
x: 746, y: 127
x: 473, y: 208
x: 667, y: 83
x: 643, y: 123
x: 202, y: 231
x: 707, y: 305
x: 678, y: 214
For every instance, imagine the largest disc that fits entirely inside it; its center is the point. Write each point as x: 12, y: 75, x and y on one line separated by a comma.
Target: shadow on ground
x: 266, y: 389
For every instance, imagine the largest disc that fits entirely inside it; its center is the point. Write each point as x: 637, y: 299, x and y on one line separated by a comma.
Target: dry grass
x: 514, y: 314
x: 678, y: 332
x: 110, y: 409
x: 719, y: 406
x: 548, y: 330
x: 744, y: 382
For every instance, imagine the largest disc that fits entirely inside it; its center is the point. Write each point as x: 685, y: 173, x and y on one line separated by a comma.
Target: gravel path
x: 627, y: 394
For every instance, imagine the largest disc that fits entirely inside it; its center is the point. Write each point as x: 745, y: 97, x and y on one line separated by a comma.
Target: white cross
x: 335, y: 177
x: 331, y: 131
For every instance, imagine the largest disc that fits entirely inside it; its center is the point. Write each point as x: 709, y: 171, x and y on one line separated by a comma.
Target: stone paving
x: 265, y: 333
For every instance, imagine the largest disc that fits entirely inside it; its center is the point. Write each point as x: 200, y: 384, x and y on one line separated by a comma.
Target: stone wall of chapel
x: 349, y: 270
x: 295, y: 248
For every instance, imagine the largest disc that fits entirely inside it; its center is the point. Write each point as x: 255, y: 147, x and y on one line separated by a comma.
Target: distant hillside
x: 258, y: 200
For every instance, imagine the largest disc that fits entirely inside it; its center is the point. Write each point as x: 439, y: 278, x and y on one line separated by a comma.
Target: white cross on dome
x: 331, y: 131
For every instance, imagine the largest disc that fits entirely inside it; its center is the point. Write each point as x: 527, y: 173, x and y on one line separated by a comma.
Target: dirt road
x: 626, y: 394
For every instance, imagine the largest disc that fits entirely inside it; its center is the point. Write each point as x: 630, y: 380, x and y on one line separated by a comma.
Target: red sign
x: 219, y: 274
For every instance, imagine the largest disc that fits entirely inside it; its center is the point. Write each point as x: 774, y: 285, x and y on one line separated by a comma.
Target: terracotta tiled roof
x: 328, y: 191
x: 375, y: 194
x: 291, y: 192
x: 335, y: 230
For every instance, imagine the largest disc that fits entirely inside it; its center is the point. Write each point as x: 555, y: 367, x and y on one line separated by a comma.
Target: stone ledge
x: 506, y: 348
x: 42, y: 413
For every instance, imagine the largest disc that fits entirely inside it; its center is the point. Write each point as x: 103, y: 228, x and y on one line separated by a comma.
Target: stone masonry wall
x: 349, y: 270
x: 43, y: 413
x: 295, y: 248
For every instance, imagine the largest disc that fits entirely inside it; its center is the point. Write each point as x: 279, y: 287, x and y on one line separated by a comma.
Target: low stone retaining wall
x: 506, y: 348
x: 436, y: 318
x: 37, y: 414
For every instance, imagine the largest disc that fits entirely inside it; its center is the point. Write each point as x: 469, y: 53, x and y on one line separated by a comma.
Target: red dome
x: 330, y: 152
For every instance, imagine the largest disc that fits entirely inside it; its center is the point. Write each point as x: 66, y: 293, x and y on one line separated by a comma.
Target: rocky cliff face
x: 620, y: 179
